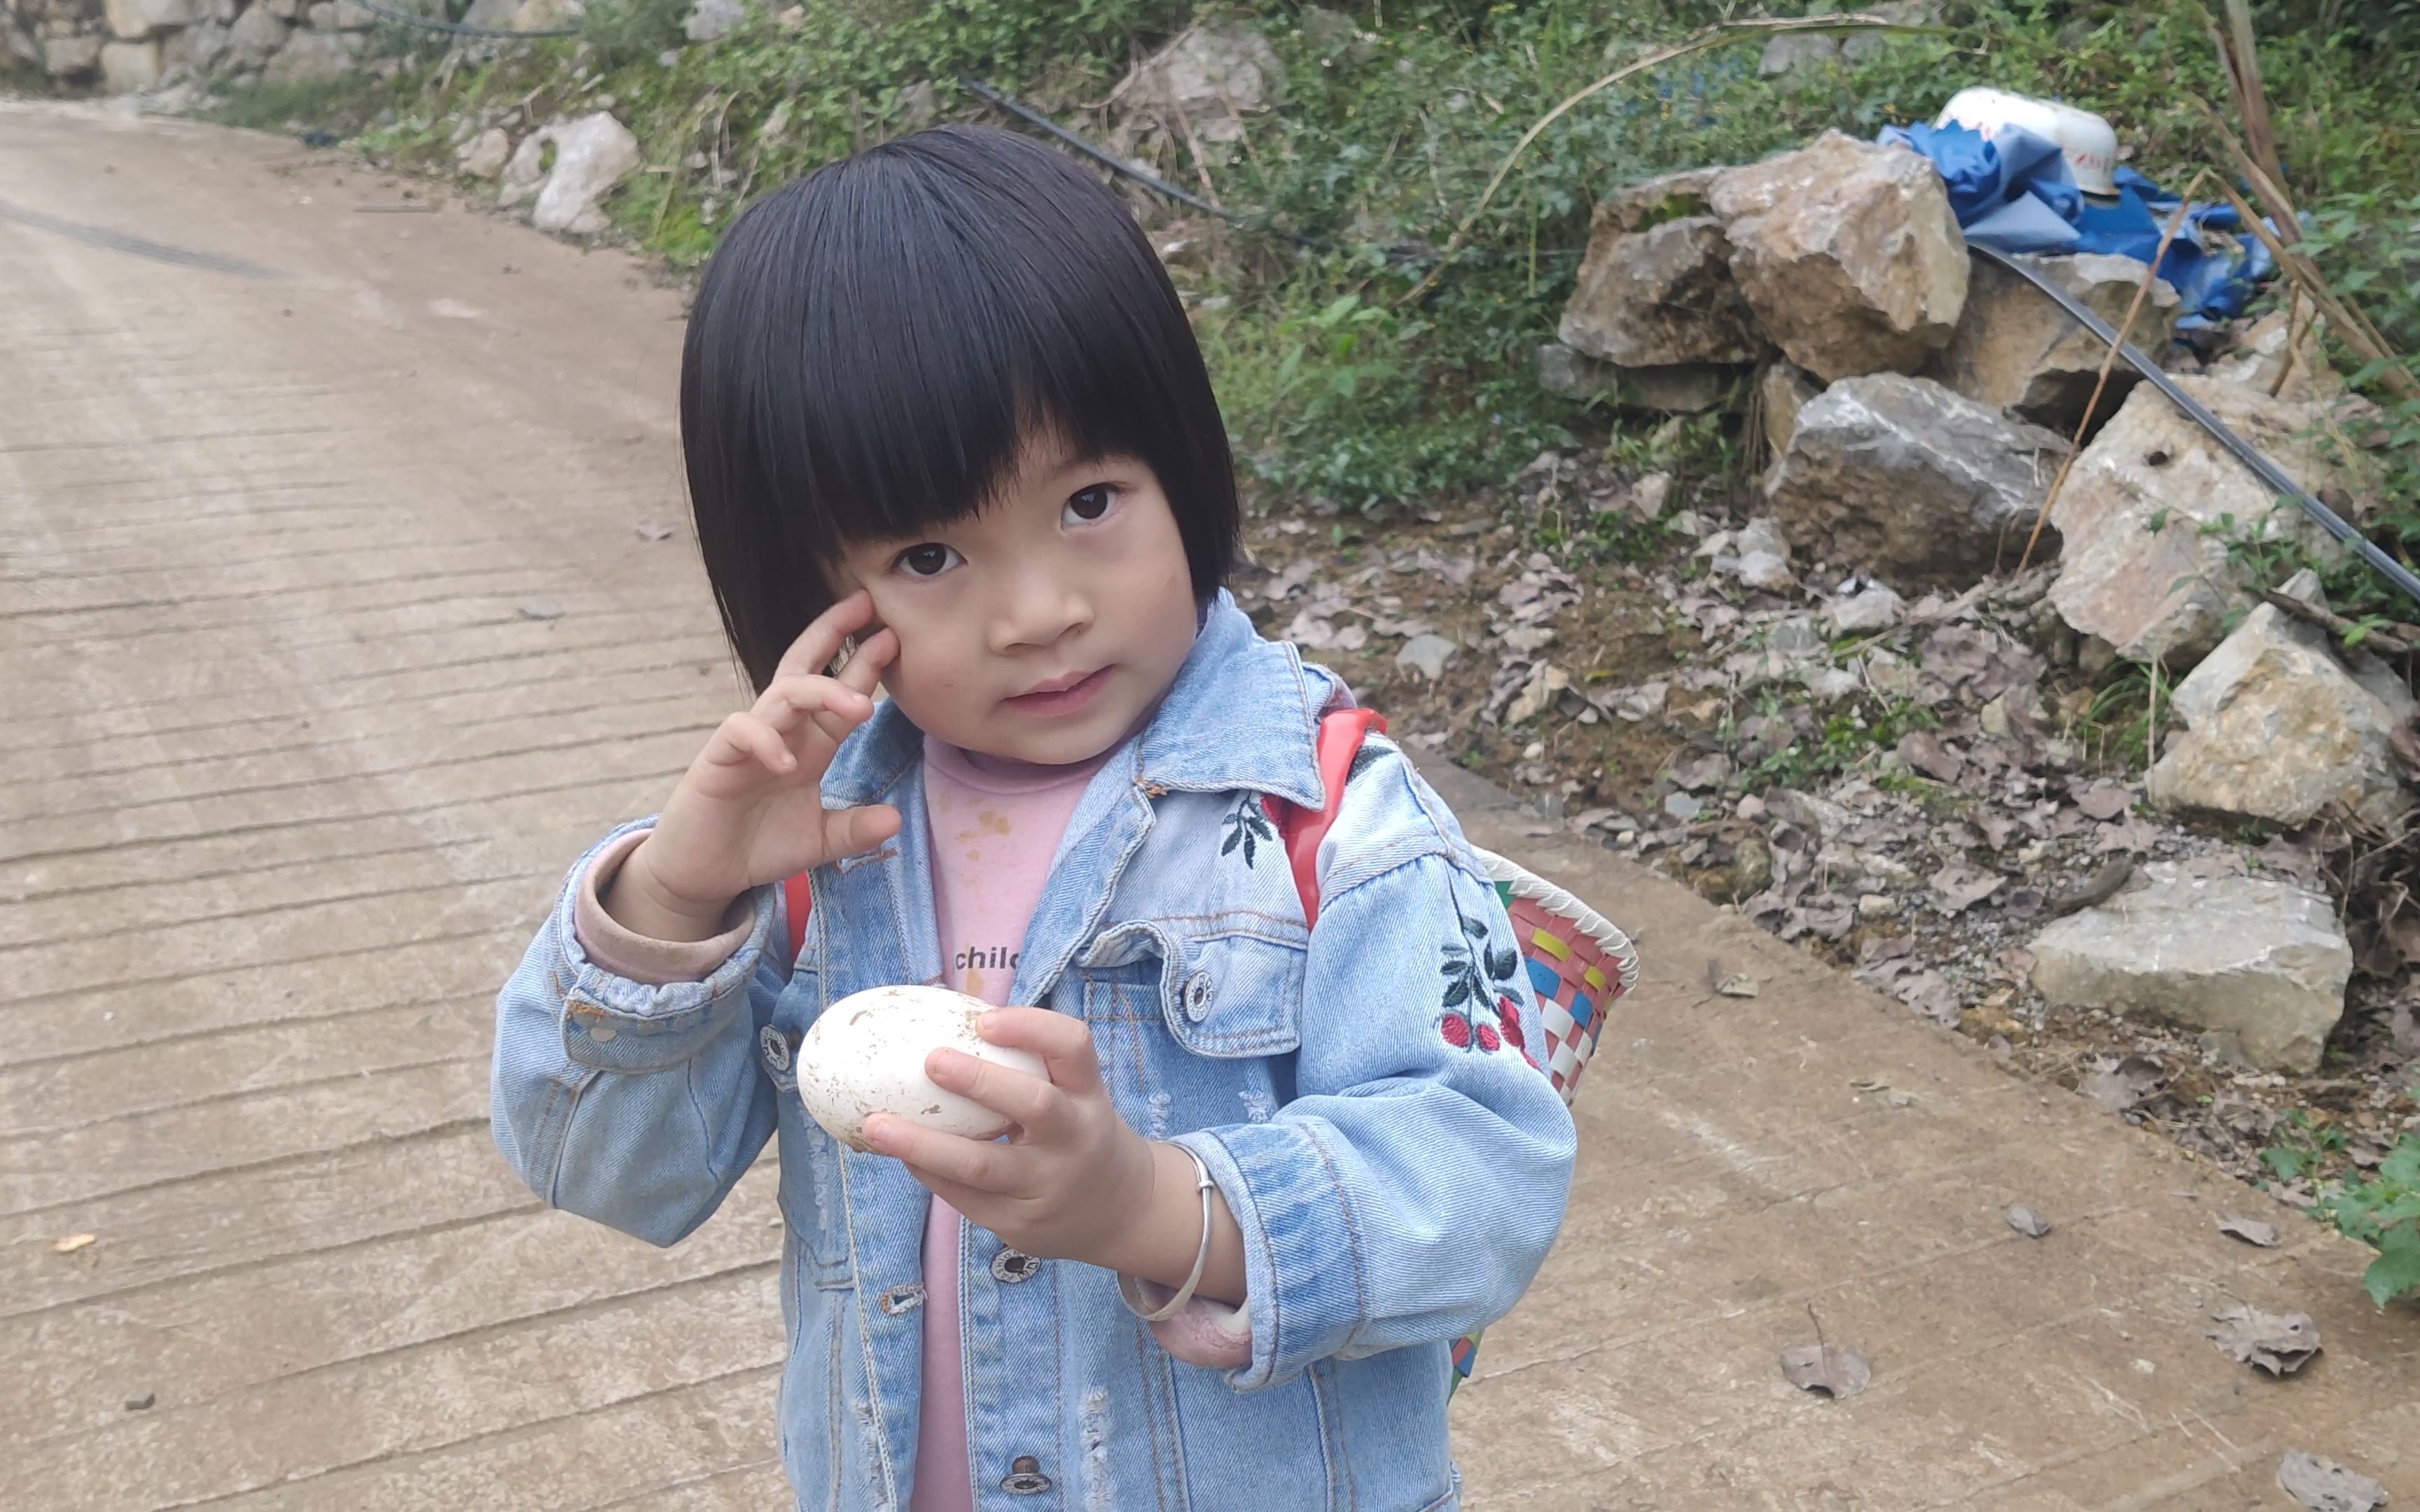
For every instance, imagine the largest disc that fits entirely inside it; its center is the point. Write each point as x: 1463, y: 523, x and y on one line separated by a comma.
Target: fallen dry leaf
x: 2027, y: 1221
x: 1838, y: 1373
x: 2278, y: 1343
x: 2324, y: 1485
x: 1931, y: 995
x: 2122, y: 1084
x: 72, y: 1244
x: 1924, y: 750
x: 2104, y: 800
x: 1959, y: 886
x: 2250, y: 1230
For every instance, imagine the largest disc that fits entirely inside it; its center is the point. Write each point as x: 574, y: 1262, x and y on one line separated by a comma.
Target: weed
x: 2381, y: 1210
x: 2116, y: 727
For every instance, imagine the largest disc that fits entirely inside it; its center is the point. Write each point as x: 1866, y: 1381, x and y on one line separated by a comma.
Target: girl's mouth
x: 1061, y: 695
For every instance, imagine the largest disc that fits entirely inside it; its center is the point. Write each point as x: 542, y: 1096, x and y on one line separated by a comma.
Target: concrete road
x: 328, y: 635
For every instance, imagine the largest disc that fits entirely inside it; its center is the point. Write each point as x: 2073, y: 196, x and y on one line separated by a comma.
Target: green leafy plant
x: 2384, y: 1212
x: 2381, y: 1210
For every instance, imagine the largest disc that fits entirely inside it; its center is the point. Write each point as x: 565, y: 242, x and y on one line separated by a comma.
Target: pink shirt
x: 995, y: 827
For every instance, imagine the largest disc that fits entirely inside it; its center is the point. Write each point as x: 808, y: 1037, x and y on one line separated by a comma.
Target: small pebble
x: 142, y: 1403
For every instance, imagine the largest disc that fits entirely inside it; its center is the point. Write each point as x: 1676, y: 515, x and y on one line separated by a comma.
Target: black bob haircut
x: 872, y: 345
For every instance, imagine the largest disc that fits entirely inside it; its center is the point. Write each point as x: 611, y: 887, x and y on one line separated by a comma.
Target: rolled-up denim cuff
x: 1304, y: 1298
x: 613, y: 1022
x: 643, y: 958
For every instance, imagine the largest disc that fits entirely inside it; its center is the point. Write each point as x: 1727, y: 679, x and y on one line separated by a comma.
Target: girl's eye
x: 1088, y: 504
x: 929, y: 559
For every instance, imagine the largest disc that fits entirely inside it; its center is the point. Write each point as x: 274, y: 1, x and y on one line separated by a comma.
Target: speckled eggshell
x: 865, y: 1054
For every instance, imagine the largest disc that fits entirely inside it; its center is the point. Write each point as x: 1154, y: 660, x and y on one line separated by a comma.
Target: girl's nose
x: 1039, y: 610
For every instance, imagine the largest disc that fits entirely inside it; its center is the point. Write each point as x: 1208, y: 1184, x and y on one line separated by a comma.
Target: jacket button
x: 1199, y: 989
x: 775, y: 1046
x: 1025, y: 1478
x: 1011, y: 1266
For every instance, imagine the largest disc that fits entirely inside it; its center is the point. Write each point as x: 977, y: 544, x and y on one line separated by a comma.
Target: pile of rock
x: 126, y: 46
x: 1917, y: 409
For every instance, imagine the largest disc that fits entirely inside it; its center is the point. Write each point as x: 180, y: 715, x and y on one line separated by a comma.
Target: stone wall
x: 122, y: 46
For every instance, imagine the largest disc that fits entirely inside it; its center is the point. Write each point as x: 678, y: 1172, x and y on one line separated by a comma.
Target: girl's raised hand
x: 750, y: 810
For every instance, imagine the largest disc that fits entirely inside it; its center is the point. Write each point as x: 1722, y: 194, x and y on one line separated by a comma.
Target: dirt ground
x: 1616, y: 601
x: 338, y: 617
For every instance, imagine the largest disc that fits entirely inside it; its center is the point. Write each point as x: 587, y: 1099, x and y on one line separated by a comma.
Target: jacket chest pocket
x: 811, y: 1198
x: 1195, y: 1030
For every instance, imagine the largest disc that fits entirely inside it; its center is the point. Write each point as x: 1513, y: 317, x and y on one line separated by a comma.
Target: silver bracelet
x: 1201, y: 1256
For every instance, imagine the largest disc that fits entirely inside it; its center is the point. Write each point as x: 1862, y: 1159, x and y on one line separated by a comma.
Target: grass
x: 1333, y: 384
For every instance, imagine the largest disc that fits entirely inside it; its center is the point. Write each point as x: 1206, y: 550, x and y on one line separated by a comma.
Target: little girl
x: 946, y: 427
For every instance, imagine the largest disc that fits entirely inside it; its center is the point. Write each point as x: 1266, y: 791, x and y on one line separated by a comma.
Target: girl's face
x: 1043, y: 627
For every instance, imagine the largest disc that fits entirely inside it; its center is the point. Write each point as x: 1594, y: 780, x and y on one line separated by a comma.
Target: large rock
x: 1782, y: 393
x: 257, y: 36
x: 1901, y: 478
x: 1848, y: 253
x: 1199, y: 82
x: 2259, y: 361
x: 2015, y: 350
x: 711, y: 20
x: 2162, y: 594
x: 310, y: 58
x: 195, y: 49
x: 485, y: 155
x: 2275, y: 727
x: 127, y: 67
x: 71, y: 57
x: 2263, y: 961
x: 591, y: 155
x: 1654, y: 288
x: 23, y: 46
x: 1683, y: 389
x: 131, y: 20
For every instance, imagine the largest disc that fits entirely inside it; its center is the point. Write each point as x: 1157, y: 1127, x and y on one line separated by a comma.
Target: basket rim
x: 1554, y: 900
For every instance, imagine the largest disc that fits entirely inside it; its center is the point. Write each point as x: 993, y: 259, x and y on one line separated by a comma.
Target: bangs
x: 873, y: 348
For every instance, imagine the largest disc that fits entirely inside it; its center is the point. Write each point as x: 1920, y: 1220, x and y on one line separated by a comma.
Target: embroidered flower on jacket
x: 1468, y: 991
x: 1248, y: 827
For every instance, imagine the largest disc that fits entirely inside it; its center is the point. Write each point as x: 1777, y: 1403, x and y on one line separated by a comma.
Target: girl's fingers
x: 1031, y: 1103
x: 854, y: 831
x: 743, y: 738
x: 793, y: 702
x: 875, y: 655
x: 820, y: 641
x: 984, y: 1166
x: 1065, y: 1044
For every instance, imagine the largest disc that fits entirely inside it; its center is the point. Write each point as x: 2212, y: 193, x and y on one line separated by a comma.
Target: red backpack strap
x: 1340, y: 733
x: 797, y: 899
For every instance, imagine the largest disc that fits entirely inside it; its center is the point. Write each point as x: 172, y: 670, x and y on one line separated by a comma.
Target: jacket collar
x: 1243, y: 713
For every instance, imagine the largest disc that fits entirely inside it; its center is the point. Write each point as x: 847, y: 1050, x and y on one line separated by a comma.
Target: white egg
x: 866, y: 1056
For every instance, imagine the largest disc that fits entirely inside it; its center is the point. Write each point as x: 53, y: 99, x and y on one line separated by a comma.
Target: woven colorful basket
x: 1580, y: 964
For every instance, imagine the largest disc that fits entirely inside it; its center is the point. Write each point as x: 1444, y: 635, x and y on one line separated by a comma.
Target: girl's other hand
x: 750, y: 809
x: 1072, y: 1181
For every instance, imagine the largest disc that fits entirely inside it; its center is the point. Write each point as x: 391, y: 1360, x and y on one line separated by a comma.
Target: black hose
x: 2244, y: 451
x: 1114, y: 163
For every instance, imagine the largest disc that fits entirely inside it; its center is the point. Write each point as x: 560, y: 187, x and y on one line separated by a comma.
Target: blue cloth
x: 2016, y: 194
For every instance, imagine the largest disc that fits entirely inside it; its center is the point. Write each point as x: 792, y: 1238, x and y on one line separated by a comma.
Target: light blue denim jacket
x: 1397, y: 1180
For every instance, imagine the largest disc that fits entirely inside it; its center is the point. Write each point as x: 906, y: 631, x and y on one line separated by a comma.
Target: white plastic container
x: 2087, y: 141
